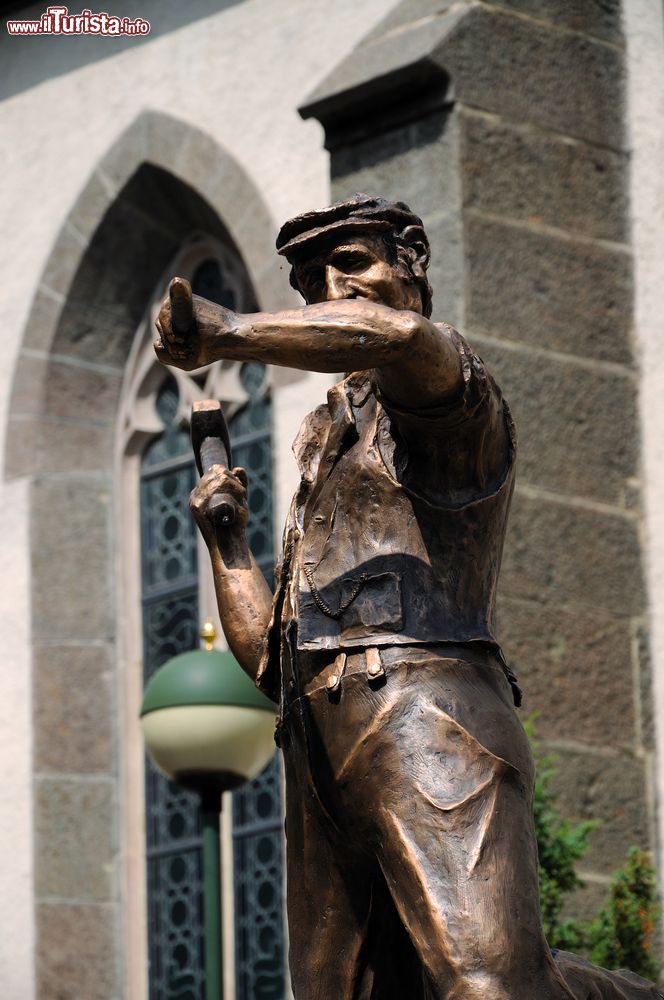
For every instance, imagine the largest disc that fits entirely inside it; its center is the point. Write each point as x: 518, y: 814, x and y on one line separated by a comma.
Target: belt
x: 323, y: 672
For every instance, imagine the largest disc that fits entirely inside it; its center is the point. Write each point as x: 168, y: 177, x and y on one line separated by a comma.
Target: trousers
x: 411, y: 853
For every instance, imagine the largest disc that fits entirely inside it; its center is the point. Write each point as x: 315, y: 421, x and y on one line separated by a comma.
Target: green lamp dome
x: 205, y: 722
x: 202, y: 677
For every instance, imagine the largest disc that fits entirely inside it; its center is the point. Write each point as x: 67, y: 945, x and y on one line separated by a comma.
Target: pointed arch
x: 161, y: 179
x: 160, y: 182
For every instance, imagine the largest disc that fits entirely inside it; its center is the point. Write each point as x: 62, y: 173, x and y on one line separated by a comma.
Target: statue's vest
x: 368, y: 561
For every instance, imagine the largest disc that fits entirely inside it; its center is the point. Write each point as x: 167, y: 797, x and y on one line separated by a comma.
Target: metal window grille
x: 257, y: 818
x: 170, y: 626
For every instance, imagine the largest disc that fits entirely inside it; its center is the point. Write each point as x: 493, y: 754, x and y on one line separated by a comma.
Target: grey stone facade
x: 503, y: 126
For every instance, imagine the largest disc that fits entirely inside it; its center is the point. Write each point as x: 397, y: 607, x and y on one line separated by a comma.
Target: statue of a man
x: 412, y: 863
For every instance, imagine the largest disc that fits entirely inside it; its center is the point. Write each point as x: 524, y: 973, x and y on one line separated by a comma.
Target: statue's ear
x: 415, y: 238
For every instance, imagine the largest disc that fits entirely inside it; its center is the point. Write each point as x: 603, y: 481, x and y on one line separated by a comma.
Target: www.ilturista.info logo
x: 58, y: 21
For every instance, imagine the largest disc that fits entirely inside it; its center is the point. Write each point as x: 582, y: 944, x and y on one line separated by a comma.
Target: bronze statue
x: 412, y: 863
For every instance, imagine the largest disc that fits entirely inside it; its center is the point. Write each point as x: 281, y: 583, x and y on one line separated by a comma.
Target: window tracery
x: 154, y: 429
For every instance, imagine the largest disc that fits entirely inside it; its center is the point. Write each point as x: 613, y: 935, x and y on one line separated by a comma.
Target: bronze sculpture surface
x: 412, y: 864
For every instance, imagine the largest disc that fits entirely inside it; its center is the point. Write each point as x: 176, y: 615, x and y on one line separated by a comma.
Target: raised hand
x: 220, y: 481
x: 179, y: 342
x: 194, y: 332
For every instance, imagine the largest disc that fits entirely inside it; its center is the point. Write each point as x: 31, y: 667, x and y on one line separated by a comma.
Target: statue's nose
x: 335, y: 284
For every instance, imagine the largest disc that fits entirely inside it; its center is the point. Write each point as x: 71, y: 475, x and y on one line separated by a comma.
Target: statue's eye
x: 351, y: 261
x: 311, y: 278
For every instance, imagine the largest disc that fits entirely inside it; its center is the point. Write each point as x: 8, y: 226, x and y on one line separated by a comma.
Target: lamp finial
x: 208, y: 634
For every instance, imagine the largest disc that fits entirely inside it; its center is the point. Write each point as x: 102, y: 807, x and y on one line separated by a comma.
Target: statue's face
x: 357, y: 269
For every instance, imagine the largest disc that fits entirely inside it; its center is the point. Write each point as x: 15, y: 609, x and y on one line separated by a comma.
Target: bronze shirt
x: 395, y: 535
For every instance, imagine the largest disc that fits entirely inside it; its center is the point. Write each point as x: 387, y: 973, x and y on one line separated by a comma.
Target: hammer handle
x: 212, y: 453
x: 223, y: 508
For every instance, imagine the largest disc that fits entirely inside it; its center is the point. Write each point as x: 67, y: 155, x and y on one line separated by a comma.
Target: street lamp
x: 209, y: 729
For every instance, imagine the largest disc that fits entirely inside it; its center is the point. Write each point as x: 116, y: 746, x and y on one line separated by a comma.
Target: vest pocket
x: 378, y: 606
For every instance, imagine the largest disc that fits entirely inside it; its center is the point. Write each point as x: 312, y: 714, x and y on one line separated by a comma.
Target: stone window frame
x: 68, y: 464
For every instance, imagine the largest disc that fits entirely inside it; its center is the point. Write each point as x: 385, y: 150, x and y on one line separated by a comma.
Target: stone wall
x: 503, y: 126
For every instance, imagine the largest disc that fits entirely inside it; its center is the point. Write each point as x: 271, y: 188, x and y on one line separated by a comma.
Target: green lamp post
x: 208, y: 728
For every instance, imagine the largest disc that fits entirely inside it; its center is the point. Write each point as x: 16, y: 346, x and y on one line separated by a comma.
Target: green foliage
x: 622, y: 934
x: 560, y: 844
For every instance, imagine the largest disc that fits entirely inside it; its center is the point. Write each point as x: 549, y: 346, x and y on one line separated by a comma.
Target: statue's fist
x: 179, y: 341
x: 219, y: 502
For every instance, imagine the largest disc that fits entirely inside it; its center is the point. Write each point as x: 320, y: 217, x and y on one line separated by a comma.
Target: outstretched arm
x: 243, y: 596
x: 416, y: 363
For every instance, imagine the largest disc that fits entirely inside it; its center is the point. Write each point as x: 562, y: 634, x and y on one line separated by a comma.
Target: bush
x: 560, y: 844
x: 622, y: 934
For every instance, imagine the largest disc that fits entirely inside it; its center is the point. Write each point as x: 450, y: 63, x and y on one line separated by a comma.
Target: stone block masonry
x: 518, y: 167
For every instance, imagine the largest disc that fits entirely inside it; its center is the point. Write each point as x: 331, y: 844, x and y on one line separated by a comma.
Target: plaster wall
x: 238, y: 74
x: 237, y: 71
x: 644, y: 30
x: 16, y: 911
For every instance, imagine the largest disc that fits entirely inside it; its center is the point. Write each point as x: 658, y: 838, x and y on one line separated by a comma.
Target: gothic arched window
x: 156, y: 425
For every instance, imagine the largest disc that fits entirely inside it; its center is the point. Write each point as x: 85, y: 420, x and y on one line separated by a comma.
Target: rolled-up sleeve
x: 463, y: 448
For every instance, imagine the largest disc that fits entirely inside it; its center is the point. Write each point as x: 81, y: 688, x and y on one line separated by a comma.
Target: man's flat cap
x: 356, y: 215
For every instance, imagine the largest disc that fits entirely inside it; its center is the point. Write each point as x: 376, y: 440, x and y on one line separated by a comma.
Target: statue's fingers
x: 170, y: 354
x: 221, y: 479
x: 161, y: 352
x: 182, y: 307
x: 163, y: 324
x: 241, y: 475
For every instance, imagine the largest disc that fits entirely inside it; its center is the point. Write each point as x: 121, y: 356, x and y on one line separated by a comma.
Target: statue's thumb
x: 182, y: 309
